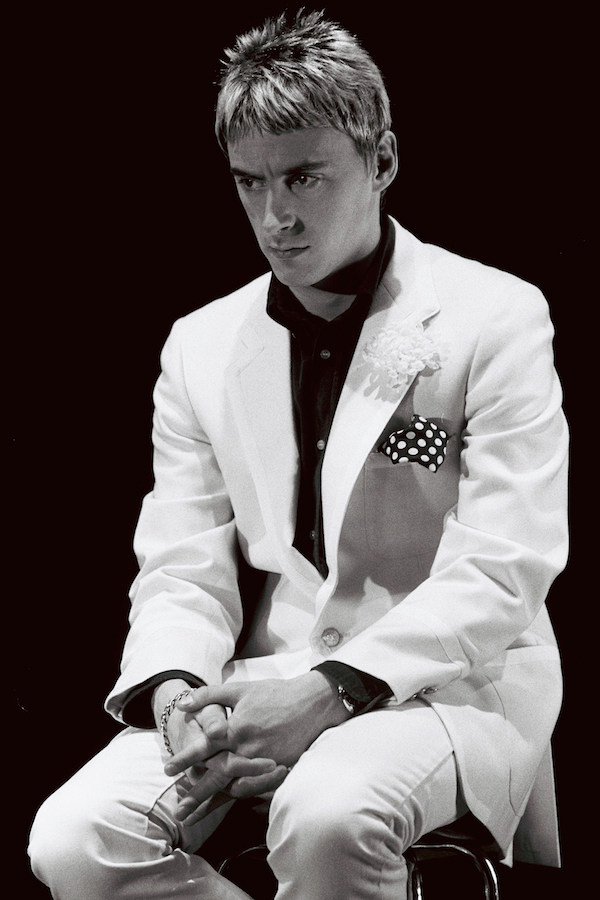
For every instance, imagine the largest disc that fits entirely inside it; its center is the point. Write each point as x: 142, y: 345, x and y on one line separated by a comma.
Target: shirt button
x: 320, y: 445
x: 325, y: 354
x: 331, y: 637
x: 313, y: 534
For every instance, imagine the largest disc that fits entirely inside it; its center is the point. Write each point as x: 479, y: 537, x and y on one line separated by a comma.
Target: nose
x: 278, y: 213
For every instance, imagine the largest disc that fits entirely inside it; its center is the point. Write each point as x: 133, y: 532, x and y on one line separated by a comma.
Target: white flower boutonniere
x: 397, y: 354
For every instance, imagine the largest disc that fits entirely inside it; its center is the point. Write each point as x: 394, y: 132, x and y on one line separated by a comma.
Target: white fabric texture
x: 363, y: 793
x: 437, y: 580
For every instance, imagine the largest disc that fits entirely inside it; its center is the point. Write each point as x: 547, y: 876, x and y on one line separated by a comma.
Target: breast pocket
x: 405, y: 505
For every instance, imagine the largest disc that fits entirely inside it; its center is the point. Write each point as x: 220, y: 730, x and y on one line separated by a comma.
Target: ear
x: 386, y: 162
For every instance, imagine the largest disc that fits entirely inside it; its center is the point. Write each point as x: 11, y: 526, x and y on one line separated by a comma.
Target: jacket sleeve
x: 505, y: 540
x: 186, y: 609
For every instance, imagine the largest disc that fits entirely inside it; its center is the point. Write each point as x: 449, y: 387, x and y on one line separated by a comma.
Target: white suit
x: 437, y: 580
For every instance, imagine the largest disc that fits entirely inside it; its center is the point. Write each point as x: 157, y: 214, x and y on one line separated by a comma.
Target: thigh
x: 125, y: 788
x: 395, y: 762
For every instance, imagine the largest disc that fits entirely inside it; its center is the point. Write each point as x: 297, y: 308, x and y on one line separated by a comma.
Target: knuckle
x: 241, y: 730
x: 228, y: 766
x: 238, y: 789
x: 253, y: 749
x: 197, y: 792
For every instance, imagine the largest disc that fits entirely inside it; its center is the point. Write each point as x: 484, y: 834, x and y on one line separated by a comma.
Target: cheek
x: 352, y: 214
x: 328, y: 216
x: 336, y: 224
x: 338, y: 212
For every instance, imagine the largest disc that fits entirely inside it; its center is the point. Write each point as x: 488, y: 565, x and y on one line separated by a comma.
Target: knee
x: 75, y: 838
x: 62, y: 836
x: 54, y: 838
x: 340, y: 818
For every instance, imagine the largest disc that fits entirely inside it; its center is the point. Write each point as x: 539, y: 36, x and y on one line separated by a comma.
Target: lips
x: 286, y: 252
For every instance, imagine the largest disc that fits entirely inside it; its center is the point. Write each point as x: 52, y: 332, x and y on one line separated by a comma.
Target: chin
x: 292, y: 279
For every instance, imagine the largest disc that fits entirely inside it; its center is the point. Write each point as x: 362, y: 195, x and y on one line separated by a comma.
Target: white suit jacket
x: 437, y: 580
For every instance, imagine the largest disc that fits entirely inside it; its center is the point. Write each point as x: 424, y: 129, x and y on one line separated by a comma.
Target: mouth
x: 286, y: 253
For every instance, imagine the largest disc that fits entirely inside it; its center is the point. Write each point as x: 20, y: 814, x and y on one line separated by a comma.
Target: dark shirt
x: 321, y: 352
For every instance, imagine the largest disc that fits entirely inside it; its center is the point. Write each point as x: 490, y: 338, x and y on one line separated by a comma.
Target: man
x: 373, y: 432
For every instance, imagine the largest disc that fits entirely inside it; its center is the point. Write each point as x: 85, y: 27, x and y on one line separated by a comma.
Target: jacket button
x: 331, y: 637
x: 429, y: 690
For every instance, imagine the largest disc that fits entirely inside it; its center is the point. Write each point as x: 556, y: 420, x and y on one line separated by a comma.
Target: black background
x: 124, y: 219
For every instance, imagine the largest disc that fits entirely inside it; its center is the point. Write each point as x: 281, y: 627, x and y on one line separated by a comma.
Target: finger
x: 223, y: 768
x: 213, y: 721
x: 262, y: 785
x: 208, y: 806
x: 220, y: 694
x: 254, y: 785
x: 197, y: 752
x: 233, y: 766
x: 208, y: 785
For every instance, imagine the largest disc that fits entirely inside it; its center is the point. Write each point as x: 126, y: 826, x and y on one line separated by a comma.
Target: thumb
x: 221, y: 694
x: 213, y: 721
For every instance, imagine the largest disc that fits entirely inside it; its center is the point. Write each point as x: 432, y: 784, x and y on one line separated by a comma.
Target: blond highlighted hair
x: 309, y: 72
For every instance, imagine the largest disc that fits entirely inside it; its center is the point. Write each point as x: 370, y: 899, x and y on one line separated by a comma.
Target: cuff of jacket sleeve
x: 137, y: 709
x: 366, y: 690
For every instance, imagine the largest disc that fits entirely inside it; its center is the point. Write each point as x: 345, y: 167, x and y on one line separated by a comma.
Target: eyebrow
x: 293, y: 170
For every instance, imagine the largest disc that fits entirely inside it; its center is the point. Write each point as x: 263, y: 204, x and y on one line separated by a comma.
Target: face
x: 311, y: 200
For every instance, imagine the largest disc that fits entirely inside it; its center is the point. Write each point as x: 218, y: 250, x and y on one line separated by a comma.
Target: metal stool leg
x: 256, y: 850
x: 415, y: 882
x: 483, y: 864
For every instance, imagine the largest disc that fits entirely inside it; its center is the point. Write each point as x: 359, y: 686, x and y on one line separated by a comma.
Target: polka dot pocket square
x: 422, y: 442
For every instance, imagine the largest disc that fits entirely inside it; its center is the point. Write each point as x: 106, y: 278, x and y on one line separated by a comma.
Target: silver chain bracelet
x: 165, y: 717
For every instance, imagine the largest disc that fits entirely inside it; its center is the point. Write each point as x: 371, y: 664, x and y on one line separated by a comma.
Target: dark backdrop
x: 125, y: 219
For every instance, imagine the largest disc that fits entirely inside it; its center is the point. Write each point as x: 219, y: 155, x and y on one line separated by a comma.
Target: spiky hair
x: 309, y: 72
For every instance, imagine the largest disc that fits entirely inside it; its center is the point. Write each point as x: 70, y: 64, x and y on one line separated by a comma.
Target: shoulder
x: 463, y: 287
x: 479, y: 289
x: 218, y: 323
x: 224, y: 309
x: 493, y: 316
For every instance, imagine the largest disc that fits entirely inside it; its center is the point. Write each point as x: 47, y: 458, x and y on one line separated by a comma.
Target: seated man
x: 373, y: 431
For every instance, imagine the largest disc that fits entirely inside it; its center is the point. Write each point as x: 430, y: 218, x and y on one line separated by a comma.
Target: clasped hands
x: 249, y: 752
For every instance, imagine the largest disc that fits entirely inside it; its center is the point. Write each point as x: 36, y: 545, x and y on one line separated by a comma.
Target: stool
x: 466, y: 838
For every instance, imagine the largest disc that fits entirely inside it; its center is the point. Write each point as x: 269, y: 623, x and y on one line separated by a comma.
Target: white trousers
x: 339, y: 824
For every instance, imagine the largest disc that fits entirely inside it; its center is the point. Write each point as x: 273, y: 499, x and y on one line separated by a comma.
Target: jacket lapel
x: 406, y: 296
x: 260, y: 387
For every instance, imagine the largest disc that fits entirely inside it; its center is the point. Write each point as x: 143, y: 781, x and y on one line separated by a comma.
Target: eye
x: 303, y: 181
x: 248, y: 184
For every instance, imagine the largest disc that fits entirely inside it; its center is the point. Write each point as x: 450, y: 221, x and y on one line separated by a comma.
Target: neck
x: 334, y: 294
x: 325, y: 304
